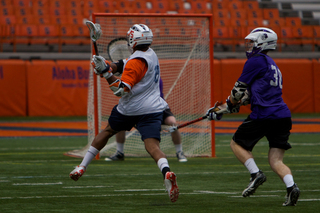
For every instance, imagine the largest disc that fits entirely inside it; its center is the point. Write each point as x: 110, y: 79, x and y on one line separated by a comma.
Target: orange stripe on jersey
x: 134, y: 71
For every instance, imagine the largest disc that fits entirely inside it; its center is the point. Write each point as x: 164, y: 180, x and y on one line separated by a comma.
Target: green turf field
x: 34, y: 178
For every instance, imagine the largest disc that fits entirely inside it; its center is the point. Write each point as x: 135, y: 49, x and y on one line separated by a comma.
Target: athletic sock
x: 163, y: 166
x: 120, y: 147
x: 288, y: 180
x: 178, y: 147
x: 251, y: 166
x: 91, y: 153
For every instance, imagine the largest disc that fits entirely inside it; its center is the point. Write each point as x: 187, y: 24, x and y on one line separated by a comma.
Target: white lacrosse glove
x: 173, y: 129
x: 119, y: 89
x: 101, y: 66
x: 212, y: 113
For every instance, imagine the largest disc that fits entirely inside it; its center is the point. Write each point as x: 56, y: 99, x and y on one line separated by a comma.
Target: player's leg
x: 117, y: 122
x: 278, y: 141
x: 119, y: 154
x: 150, y: 134
x: 245, y: 138
x: 97, y: 144
x: 170, y: 120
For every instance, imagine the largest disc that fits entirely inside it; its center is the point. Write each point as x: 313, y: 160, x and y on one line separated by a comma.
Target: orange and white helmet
x: 139, y: 34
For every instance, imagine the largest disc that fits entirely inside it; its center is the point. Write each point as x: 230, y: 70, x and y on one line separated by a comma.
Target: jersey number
x: 157, y: 73
x: 277, y: 77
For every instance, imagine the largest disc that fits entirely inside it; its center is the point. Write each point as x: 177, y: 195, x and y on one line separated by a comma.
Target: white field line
x: 149, y: 174
x: 85, y: 187
x: 150, y: 194
x: 36, y: 184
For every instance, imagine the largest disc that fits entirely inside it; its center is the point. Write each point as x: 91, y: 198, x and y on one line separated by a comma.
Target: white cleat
x: 77, y: 173
x: 170, y: 182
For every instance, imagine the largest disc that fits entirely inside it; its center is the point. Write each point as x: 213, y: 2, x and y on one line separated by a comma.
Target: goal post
x: 184, y: 46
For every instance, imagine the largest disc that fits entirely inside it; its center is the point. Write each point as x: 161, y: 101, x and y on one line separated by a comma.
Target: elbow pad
x: 119, y: 89
x: 238, y: 90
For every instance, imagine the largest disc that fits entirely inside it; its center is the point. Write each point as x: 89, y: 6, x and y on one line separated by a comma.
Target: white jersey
x: 144, y: 97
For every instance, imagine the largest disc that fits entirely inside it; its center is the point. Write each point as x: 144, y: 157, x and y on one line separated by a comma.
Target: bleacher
x: 57, y: 26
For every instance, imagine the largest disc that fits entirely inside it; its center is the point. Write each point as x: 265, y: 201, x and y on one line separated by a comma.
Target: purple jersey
x: 264, y: 81
x: 161, y: 88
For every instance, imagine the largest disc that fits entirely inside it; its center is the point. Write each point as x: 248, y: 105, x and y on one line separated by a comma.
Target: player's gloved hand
x: 101, y: 66
x: 211, y: 113
x: 232, y: 108
x: 119, y: 89
x: 173, y: 129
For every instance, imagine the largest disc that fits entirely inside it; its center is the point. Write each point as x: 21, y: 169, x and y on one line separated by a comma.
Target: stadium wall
x: 59, y: 87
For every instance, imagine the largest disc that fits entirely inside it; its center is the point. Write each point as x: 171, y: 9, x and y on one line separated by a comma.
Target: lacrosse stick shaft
x: 95, y: 48
x: 191, y: 122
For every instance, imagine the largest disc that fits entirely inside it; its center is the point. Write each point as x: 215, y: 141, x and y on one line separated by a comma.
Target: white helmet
x: 139, y: 34
x: 263, y: 39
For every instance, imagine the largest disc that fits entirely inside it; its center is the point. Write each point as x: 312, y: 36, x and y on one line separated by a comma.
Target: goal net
x: 183, y: 46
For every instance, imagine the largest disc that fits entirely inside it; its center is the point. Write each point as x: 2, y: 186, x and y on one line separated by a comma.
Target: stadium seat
x: 40, y: 3
x: 160, y: 6
x: 250, y: 5
x: 220, y: 5
x: 286, y: 36
x: 29, y: 19
x: 22, y: 3
x: 221, y: 14
x: 236, y: 22
x: 304, y: 34
x: 293, y: 21
x: 5, y: 3
x: 176, y: 5
x: 89, y: 7
x: 270, y: 13
x: 48, y: 34
x: 252, y: 14
x: 200, y: 7
x: 23, y: 11
x: 277, y: 22
x: 75, y: 19
x: 59, y: 20
x: 235, y: 5
x: 60, y: 4
x: 221, y: 36
x: 238, y: 14
x: 7, y: 11
x: 106, y: 6
x: 140, y: 6
x: 8, y: 20
x: 255, y: 22
x: 222, y: 22
x: 316, y: 35
x: 24, y: 33
x: 123, y: 6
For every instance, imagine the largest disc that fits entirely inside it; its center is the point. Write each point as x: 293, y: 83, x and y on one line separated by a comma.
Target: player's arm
x: 239, y: 96
x: 133, y: 72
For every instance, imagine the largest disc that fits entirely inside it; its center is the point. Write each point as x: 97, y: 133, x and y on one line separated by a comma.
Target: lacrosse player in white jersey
x: 140, y: 105
x: 168, y: 119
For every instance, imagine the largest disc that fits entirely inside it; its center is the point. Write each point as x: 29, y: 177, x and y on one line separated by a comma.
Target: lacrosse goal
x: 184, y: 47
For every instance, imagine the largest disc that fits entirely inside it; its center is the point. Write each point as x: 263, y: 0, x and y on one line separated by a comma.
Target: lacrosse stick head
x: 95, y: 30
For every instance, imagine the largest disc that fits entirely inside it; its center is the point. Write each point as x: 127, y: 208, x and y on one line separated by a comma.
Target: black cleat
x: 292, y: 196
x: 255, y: 182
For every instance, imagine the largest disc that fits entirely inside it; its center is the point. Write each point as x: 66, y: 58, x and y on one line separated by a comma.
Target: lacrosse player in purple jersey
x: 168, y: 119
x: 260, y: 84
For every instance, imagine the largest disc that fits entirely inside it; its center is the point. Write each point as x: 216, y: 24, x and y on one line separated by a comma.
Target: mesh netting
x: 182, y: 46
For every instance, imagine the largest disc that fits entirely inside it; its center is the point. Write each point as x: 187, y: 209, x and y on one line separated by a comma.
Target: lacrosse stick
x: 221, y: 110
x: 95, y: 33
x: 118, y: 49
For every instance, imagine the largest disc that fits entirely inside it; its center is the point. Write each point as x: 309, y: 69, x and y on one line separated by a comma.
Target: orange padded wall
x: 57, y: 88
x: 13, y: 94
x: 297, y: 84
